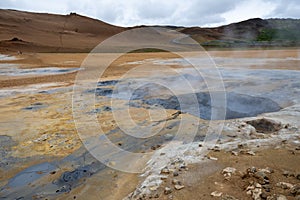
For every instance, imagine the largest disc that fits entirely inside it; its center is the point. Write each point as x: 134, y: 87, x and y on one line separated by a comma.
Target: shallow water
x: 6, y: 57
x: 14, y: 70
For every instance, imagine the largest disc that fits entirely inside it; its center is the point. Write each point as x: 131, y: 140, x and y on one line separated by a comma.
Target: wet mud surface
x: 42, y: 157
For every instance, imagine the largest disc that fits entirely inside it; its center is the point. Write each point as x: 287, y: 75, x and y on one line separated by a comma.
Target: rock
x: 235, y: 153
x: 212, y: 158
x: 176, y: 182
x: 298, y: 176
x: 112, y: 163
x: 267, y: 187
x: 260, y: 175
x: 154, y: 188
x: 295, y: 190
x: 256, y: 193
x: 179, y: 187
x: 229, y: 170
x: 286, y: 173
x: 216, y: 194
x: 267, y: 170
x: 216, y: 149
x: 263, y: 195
x: 251, y: 170
x: 264, y: 125
x: 273, y: 197
x: 175, y: 173
x: 251, y: 153
x: 165, y: 170
x: 284, y: 185
x: 250, y: 187
x: 167, y: 191
x: 281, y: 197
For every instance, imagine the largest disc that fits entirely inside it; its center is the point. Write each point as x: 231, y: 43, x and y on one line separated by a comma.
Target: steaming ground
x: 38, y: 131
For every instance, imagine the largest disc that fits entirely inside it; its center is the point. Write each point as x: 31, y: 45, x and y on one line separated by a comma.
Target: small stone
x: 284, y: 185
x: 179, y: 187
x: 267, y: 187
x: 175, y: 173
x: 212, y: 158
x: 286, y: 173
x: 281, y: 197
x: 167, y: 191
x: 235, y: 153
x: 216, y: 194
x: 154, y: 188
x: 165, y: 170
x: 298, y: 176
x: 251, y: 170
x: 256, y: 193
x: 176, y: 182
x: 216, y: 149
x: 250, y: 187
x: 153, y: 148
x: 267, y: 170
x: 228, y: 171
x: 295, y: 190
x: 263, y: 195
x: 251, y: 153
x: 260, y: 175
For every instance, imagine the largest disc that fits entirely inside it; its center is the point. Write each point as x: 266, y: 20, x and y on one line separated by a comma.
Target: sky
x: 204, y: 13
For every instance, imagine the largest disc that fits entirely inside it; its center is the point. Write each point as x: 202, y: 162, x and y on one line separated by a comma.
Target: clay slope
x: 41, y: 32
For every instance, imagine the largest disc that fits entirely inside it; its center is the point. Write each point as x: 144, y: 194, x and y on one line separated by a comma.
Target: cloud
x: 286, y: 9
x: 176, y: 12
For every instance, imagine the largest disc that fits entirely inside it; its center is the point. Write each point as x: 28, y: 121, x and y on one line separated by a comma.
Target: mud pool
x: 37, y: 128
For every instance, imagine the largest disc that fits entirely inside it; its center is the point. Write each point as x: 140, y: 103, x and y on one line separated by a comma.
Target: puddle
x: 238, y: 105
x: 45, y: 88
x: 14, y: 70
x: 31, y: 174
x: 6, y: 57
x: 250, y: 92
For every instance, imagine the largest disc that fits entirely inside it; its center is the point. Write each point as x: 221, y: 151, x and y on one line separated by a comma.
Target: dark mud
x: 238, y: 105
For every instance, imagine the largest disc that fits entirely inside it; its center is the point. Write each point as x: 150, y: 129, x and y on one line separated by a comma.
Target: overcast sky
x: 164, y: 12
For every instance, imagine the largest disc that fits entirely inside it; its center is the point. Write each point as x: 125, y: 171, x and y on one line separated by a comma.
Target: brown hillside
x: 37, y: 32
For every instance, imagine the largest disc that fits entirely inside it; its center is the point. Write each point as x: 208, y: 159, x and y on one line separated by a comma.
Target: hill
x: 43, y: 32
x: 250, y: 33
